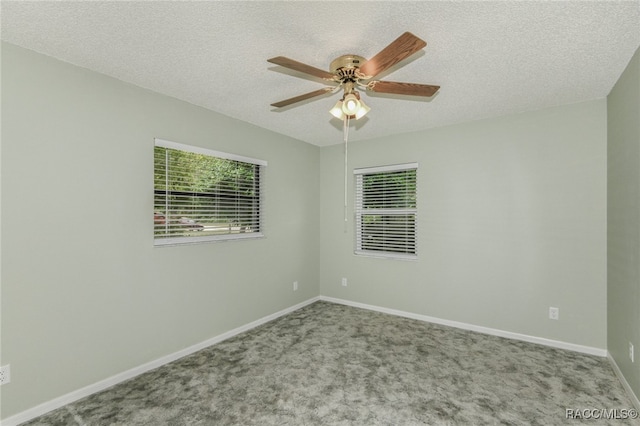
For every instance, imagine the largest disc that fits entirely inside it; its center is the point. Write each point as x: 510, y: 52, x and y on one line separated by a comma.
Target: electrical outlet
x: 295, y: 286
x: 344, y: 282
x: 631, y: 352
x: 554, y: 313
x: 5, y: 374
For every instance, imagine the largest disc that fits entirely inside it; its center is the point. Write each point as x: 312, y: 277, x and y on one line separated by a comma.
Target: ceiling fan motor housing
x: 347, y: 62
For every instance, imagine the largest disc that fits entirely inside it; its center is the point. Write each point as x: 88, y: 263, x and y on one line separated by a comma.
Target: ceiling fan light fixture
x: 350, y: 104
x: 362, y: 111
x: 336, y: 111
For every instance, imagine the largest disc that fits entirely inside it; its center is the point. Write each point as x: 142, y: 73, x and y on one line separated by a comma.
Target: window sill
x: 386, y: 255
x: 182, y: 241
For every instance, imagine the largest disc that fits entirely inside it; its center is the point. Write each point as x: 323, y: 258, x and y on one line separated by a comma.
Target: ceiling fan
x: 352, y: 72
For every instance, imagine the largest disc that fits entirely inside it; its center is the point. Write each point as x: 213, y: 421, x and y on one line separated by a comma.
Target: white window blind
x: 202, y: 195
x: 386, y: 211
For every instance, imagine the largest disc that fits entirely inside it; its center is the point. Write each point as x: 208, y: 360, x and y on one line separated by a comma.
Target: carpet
x: 329, y: 364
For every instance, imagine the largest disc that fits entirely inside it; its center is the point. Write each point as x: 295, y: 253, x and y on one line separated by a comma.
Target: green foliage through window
x: 386, y: 211
x: 204, y: 196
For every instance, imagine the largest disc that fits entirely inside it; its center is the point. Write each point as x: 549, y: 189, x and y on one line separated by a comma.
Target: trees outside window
x: 203, y: 195
x: 386, y: 211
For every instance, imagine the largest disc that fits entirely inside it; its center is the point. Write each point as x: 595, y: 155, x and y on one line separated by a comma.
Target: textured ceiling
x: 490, y: 58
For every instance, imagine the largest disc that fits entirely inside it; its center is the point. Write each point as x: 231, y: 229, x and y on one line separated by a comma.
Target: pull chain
x: 346, y: 171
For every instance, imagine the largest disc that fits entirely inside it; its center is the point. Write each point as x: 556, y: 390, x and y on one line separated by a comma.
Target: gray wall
x: 85, y: 295
x: 623, y: 191
x: 511, y: 221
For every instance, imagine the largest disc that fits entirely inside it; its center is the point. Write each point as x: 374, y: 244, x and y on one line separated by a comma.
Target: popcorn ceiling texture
x: 491, y: 58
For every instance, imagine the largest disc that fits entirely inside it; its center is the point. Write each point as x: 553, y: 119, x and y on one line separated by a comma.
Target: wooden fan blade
x: 302, y: 97
x: 299, y: 66
x: 401, y: 48
x: 412, y: 89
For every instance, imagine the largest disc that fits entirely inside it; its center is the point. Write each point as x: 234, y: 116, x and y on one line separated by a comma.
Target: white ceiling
x: 490, y: 58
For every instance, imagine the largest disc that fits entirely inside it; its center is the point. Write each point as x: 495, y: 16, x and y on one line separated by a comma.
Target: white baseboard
x: 71, y: 397
x: 625, y: 384
x: 471, y: 327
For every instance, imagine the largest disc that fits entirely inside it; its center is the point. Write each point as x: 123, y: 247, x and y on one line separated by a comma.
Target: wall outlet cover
x: 5, y: 374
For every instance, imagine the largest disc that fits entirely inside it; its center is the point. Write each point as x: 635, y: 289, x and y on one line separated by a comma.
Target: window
x: 386, y: 211
x: 202, y: 195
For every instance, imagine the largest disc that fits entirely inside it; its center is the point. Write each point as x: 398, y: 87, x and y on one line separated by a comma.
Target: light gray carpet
x: 329, y: 364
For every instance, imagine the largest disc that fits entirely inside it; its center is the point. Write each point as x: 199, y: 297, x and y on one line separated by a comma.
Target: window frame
x: 185, y: 240
x: 360, y: 211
